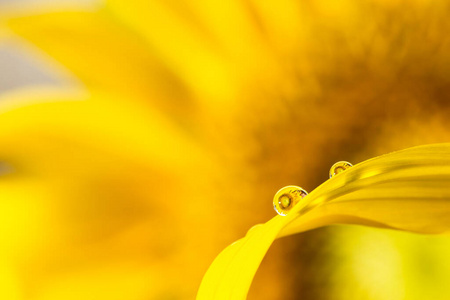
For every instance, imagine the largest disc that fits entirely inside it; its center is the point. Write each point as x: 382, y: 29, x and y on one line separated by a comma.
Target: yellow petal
x: 105, y: 55
x: 100, y: 121
x: 92, y: 181
x: 183, y: 43
x: 217, y: 48
x: 405, y: 190
x: 87, y: 151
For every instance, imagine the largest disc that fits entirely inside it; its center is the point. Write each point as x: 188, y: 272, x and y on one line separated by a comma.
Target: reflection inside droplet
x: 286, y: 198
x: 339, y: 167
x: 284, y: 201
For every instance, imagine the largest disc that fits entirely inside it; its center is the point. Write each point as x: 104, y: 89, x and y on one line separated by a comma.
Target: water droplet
x: 286, y: 198
x: 339, y: 167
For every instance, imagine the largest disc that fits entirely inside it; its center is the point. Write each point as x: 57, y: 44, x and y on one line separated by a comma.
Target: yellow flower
x: 176, y: 122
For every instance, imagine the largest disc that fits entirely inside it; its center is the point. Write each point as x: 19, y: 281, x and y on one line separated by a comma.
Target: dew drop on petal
x: 286, y: 198
x: 339, y: 167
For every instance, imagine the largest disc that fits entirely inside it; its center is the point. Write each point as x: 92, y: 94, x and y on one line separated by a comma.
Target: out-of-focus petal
x: 405, y: 190
x: 106, y: 55
x: 215, y: 47
x: 93, y: 182
x: 100, y: 122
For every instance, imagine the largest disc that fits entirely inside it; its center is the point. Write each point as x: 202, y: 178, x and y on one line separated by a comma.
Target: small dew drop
x: 286, y: 198
x: 339, y: 167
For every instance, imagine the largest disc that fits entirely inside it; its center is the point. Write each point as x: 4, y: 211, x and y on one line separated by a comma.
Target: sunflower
x: 175, y: 122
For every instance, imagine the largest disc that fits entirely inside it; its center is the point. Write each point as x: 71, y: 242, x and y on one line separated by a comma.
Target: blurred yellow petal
x: 186, y: 48
x: 100, y: 122
x: 215, y: 47
x: 129, y: 282
x: 96, y: 142
x: 405, y: 190
x: 92, y: 181
x: 106, y: 55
